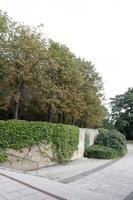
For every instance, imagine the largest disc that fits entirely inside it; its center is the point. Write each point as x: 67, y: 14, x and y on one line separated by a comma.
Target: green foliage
x: 101, y: 152
x: 104, y: 152
x: 122, y: 112
x: 87, y: 143
x: 43, y: 80
x: 113, y: 139
x: 108, y: 122
x: 3, y: 157
x: 103, y: 130
x: 109, y: 144
x: 18, y: 134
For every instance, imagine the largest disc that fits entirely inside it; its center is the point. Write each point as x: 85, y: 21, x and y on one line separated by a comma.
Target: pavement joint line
x: 33, y: 187
x: 89, y: 172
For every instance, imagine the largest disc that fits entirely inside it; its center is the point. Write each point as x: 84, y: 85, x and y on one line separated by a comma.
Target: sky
x: 100, y: 31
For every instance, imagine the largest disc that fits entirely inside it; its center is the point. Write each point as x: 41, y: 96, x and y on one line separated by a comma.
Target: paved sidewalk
x: 66, y: 171
x: 111, y: 181
x: 11, y: 190
x: 115, y: 180
x: 62, y: 191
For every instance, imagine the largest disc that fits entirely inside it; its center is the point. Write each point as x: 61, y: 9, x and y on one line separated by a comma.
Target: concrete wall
x: 80, y: 152
x: 93, y: 134
x: 43, y: 155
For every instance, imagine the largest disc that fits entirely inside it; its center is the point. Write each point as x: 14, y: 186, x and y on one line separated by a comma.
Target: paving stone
x: 11, y: 190
x: 113, y: 182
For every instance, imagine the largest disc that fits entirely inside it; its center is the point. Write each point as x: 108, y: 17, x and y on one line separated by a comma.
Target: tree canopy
x: 122, y: 112
x: 43, y: 80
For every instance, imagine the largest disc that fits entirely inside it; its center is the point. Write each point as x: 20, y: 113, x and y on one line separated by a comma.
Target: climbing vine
x: 17, y: 134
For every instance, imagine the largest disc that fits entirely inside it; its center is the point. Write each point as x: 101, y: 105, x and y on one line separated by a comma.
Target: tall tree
x: 44, y: 80
x: 122, y: 112
x: 24, y: 54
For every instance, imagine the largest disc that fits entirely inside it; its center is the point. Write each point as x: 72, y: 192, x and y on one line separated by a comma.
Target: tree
x: 43, y: 80
x: 23, y: 56
x: 91, y: 91
x: 108, y: 122
x: 68, y: 78
x: 122, y: 112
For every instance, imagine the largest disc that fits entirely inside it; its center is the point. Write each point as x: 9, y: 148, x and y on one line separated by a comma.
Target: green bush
x: 18, y: 134
x: 3, y: 157
x: 102, y: 152
x: 113, y: 139
x: 109, y: 144
x: 103, y: 130
x: 87, y: 143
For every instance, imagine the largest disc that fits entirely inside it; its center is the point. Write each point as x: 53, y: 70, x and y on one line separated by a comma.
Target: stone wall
x: 92, y: 135
x: 42, y: 153
x: 27, y: 158
x: 80, y: 152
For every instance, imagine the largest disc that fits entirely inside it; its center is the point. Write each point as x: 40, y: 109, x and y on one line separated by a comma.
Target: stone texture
x: 11, y: 190
x: 73, y: 168
x: 93, y: 134
x: 42, y: 154
x: 80, y: 152
x: 114, y: 182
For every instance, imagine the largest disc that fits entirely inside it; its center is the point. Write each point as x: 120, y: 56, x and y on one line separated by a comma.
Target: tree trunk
x: 16, y: 110
x: 73, y: 121
x: 81, y: 124
x: 63, y: 118
x: 59, y: 117
x: 49, y: 113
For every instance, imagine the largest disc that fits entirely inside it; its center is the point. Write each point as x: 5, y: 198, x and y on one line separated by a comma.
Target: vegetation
x: 109, y: 144
x: 87, y: 143
x: 113, y: 139
x: 108, y: 122
x: 3, y: 158
x: 43, y: 80
x: 122, y: 112
x: 18, y: 134
x: 101, y: 152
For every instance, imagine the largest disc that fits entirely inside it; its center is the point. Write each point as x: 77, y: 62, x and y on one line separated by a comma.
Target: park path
x: 116, y: 180
x: 12, y: 190
x: 109, y: 180
x: 64, y: 172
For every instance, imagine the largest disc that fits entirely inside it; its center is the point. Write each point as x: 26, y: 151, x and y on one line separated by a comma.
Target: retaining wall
x: 42, y: 153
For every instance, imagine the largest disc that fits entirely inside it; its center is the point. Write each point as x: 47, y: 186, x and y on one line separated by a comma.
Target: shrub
x: 113, y: 139
x: 18, y: 134
x: 108, y: 144
x: 102, y: 152
x: 103, y: 130
x: 3, y: 157
x: 87, y: 143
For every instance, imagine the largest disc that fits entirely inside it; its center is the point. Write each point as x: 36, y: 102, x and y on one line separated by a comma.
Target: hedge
x: 103, y: 130
x: 101, y: 152
x: 17, y: 134
x: 109, y: 144
x: 86, y: 143
x: 112, y: 138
